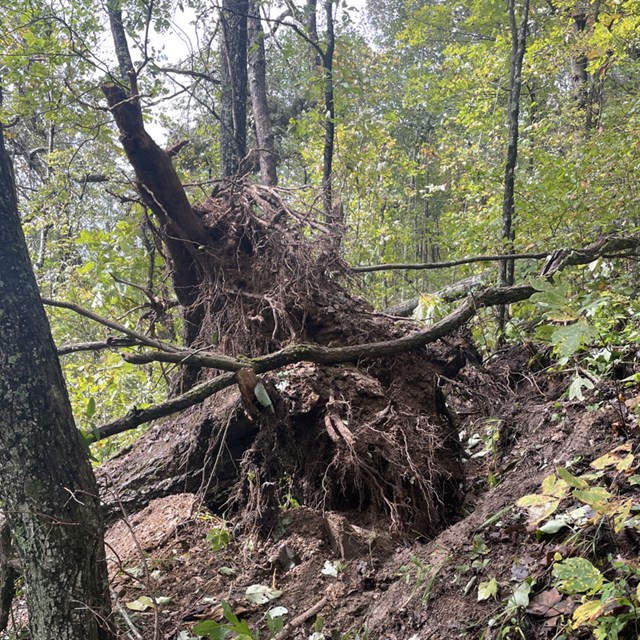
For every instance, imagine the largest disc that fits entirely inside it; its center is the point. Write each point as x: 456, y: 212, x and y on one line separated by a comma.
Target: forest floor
x: 318, y: 575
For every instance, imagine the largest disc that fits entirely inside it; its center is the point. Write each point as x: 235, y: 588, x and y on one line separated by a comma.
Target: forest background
x: 418, y: 139
x: 421, y: 132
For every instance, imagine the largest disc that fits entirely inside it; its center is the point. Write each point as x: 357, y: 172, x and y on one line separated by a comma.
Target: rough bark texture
x: 47, y: 486
x: 331, y: 215
x: 233, y: 74
x: 518, y: 46
x: 258, y: 90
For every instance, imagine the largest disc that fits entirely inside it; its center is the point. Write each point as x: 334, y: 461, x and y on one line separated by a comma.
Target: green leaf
x: 90, y: 411
x: 571, y: 480
x: 488, y: 589
x: 577, y: 575
x: 552, y: 526
x: 567, y: 340
x: 596, y: 497
x: 214, y: 630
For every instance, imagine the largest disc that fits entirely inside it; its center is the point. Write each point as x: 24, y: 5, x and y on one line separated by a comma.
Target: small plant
x: 422, y: 574
x: 219, y: 630
x: 578, y: 504
x: 218, y: 537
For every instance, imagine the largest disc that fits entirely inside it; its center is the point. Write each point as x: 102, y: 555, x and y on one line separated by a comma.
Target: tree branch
x: 313, y: 353
x: 606, y: 247
x: 450, y: 263
x: 109, y: 343
x: 610, y: 245
x: 139, y: 337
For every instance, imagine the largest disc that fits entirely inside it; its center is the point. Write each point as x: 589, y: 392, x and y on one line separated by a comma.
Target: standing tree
x: 47, y: 487
x: 258, y: 89
x: 233, y: 74
x: 518, y: 46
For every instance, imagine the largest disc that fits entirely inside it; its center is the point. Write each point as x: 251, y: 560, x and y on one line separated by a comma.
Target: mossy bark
x: 47, y: 486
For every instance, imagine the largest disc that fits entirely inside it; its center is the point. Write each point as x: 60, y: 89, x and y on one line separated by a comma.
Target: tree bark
x: 518, y: 46
x: 258, y: 90
x: 47, y: 486
x: 586, y: 88
x: 233, y: 110
x: 329, y: 119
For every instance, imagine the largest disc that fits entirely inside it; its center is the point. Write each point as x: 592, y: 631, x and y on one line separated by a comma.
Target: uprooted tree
x: 358, y: 422
x: 253, y: 277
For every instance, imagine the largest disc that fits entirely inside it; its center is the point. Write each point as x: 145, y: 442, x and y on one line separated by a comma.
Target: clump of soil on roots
x: 366, y: 439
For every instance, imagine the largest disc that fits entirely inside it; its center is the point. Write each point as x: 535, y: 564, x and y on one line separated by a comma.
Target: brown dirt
x: 391, y: 583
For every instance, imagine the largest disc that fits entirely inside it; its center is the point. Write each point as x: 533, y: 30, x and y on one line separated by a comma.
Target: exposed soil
x: 362, y: 567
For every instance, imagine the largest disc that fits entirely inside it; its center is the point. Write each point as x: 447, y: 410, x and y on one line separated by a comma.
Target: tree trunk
x: 331, y: 215
x: 587, y: 88
x: 258, y: 90
x: 47, y: 485
x: 518, y: 46
x: 233, y: 74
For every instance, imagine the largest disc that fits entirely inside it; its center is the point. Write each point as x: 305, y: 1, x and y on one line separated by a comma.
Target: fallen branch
x: 450, y: 293
x: 607, y: 247
x: 353, y: 353
x: 109, y: 343
x: 302, y: 618
x: 136, y: 417
x: 306, y: 352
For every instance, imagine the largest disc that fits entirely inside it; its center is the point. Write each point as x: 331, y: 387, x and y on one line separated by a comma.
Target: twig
x: 125, y: 616
x: 301, y: 619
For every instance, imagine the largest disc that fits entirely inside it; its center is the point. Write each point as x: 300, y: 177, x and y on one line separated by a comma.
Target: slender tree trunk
x: 329, y: 119
x: 233, y: 109
x: 258, y: 90
x: 47, y: 487
x: 518, y: 47
x: 586, y: 87
x: 118, y: 33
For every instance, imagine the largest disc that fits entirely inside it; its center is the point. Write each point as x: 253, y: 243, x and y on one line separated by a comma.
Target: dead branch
x: 136, y: 417
x: 302, y: 618
x: 140, y: 337
x: 450, y: 293
x: 611, y: 247
x: 366, y: 268
x: 335, y: 355
x: 188, y: 357
x: 109, y: 343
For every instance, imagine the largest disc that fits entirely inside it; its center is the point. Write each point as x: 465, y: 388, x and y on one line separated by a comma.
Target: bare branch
x: 607, y: 247
x: 449, y: 263
x: 614, y: 246
x: 136, y: 417
x: 109, y: 343
x: 140, y: 337
x: 188, y: 357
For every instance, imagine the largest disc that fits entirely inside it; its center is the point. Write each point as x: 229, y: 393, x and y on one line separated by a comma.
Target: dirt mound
x: 338, y: 571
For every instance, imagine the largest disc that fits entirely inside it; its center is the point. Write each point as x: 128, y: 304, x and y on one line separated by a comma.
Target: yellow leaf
x: 588, y: 612
x: 613, y: 457
x: 624, y: 509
